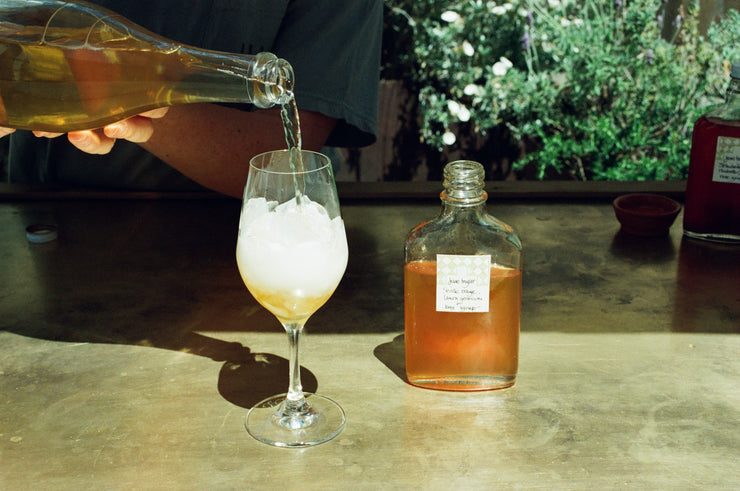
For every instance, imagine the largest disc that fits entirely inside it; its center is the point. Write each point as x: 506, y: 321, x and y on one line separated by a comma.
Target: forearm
x: 210, y: 144
x: 213, y: 144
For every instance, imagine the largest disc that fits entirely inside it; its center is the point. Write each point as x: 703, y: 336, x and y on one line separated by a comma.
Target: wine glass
x: 292, y: 253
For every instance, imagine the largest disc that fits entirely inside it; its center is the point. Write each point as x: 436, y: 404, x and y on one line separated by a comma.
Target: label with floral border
x: 463, y: 283
x: 727, y: 160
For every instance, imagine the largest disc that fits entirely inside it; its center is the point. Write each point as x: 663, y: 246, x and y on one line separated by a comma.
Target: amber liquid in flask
x: 462, y: 292
x: 68, y: 66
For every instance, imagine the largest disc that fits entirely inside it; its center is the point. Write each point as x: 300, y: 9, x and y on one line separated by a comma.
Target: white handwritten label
x: 727, y: 160
x: 463, y: 283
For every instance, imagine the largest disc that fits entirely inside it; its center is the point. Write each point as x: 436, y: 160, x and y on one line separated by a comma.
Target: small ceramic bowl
x: 647, y: 215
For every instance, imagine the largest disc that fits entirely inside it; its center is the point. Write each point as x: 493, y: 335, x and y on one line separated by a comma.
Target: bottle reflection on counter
x: 707, y: 291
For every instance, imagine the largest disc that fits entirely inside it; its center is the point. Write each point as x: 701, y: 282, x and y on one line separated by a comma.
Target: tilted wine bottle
x: 68, y: 66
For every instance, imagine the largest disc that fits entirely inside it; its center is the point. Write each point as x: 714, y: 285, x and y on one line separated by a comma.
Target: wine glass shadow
x: 245, y: 382
x: 392, y: 355
x: 154, y: 274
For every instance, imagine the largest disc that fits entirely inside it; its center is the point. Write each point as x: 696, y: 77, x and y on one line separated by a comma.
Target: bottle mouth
x: 277, y: 77
x: 464, y: 181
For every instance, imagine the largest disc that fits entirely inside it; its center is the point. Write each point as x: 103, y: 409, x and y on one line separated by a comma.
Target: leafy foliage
x: 588, y: 88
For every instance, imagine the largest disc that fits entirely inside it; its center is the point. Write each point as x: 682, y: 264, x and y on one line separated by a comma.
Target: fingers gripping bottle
x: 462, y: 291
x: 72, y: 65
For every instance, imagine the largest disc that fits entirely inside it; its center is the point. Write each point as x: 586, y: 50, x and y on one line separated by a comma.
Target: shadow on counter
x: 153, y: 274
x: 393, y: 356
x: 644, y: 250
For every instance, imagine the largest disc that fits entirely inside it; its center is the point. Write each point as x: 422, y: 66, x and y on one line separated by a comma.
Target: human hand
x: 137, y: 129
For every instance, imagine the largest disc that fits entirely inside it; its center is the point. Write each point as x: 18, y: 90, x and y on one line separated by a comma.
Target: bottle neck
x: 262, y: 79
x: 730, y: 110
x: 463, y: 182
x: 471, y: 203
x: 276, y: 78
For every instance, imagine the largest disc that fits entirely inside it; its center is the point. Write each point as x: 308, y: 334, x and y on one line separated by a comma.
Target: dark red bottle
x: 712, y: 209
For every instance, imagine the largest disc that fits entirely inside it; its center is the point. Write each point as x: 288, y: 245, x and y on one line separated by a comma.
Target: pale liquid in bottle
x: 60, y: 89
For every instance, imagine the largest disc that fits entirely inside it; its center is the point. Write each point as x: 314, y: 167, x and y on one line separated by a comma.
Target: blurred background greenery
x: 545, y: 89
x: 554, y: 89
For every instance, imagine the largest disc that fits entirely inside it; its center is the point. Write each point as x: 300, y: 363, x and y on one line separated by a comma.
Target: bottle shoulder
x: 470, y: 218
x: 471, y: 234
x: 714, y: 120
x: 729, y: 112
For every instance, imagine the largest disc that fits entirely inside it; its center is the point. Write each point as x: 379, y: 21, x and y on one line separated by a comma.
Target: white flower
x: 553, y: 3
x: 499, y: 9
x: 459, y: 110
x: 468, y: 48
x: 449, y: 138
x: 473, y: 89
x: 451, y: 16
x: 502, y: 66
x: 464, y: 114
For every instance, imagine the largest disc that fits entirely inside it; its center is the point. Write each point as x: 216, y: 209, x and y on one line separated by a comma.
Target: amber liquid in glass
x: 712, y: 207
x: 461, y: 351
x: 289, y: 307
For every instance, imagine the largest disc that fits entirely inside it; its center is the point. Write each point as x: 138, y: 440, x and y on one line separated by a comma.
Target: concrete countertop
x: 130, y: 352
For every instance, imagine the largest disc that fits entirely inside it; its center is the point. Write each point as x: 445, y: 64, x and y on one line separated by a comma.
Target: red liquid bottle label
x: 727, y: 161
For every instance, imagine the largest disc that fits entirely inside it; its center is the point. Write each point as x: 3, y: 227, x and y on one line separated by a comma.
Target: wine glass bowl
x: 292, y: 253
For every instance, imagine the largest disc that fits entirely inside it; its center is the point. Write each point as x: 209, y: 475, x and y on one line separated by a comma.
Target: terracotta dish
x: 647, y: 215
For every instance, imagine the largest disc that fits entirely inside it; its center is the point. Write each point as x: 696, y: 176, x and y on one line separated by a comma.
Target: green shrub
x: 589, y: 89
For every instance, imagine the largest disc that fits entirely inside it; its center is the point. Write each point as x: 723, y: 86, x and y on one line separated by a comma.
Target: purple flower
x: 526, y: 41
x: 617, y: 4
x: 650, y: 57
x: 659, y: 20
x: 530, y: 18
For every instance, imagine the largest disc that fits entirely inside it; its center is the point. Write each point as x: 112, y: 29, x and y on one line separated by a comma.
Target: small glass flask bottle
x: 712, y: 209
x: 462, y: 291
x: 73, y: 65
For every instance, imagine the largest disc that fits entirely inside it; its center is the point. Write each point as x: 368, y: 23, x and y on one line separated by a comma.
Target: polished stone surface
x: 130, y: 352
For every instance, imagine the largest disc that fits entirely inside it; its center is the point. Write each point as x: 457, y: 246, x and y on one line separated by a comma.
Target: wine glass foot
x: 321, y: 420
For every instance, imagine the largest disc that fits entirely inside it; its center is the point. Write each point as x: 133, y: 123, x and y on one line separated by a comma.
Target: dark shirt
x: 333, y: 46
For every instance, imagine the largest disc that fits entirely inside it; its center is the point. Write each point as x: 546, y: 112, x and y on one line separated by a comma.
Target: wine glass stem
x: 295, y: 401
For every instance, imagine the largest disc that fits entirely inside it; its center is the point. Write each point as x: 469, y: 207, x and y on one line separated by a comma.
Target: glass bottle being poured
x: 68, y: 66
